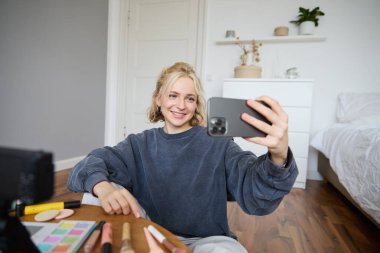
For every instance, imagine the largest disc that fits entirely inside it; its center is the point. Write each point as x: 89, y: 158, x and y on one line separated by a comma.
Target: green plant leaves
x: 307, y: 15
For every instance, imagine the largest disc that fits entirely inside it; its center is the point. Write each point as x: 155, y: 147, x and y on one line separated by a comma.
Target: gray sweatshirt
x: 183, y: 181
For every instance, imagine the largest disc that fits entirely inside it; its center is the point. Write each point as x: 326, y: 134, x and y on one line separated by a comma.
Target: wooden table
x: 139, y: 244
x: 96, y: 213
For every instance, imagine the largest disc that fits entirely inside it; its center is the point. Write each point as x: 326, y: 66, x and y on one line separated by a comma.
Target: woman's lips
x: 178, y: 114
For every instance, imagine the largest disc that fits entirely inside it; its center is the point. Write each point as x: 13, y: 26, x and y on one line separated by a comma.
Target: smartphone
x: 224, y: 118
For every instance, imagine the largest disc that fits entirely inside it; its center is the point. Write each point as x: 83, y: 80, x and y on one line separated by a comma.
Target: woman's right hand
x: 115, y: 200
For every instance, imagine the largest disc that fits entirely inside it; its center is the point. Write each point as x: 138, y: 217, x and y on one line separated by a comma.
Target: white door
x: 160, y: 33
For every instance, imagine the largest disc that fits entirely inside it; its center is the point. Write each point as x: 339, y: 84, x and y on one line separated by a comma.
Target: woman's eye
x: 172, y: 96
x: 191, y: 99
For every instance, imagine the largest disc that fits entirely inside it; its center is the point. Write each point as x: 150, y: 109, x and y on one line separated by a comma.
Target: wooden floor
x: 318, y: 219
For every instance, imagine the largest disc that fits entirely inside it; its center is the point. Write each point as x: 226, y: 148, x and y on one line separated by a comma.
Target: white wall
x: 348, y: 60
x: 53, y: 58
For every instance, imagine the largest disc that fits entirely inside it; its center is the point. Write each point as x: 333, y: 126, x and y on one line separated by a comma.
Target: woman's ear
x: 158, y: 100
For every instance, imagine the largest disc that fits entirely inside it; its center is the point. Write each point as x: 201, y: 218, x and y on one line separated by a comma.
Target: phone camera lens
x: 214, y: 130
x: 217, y: 126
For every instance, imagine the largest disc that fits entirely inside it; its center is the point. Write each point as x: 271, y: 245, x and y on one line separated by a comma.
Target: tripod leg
x: 14, y: 237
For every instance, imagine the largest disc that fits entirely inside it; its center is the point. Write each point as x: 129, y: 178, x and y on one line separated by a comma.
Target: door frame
x: 116, y: 81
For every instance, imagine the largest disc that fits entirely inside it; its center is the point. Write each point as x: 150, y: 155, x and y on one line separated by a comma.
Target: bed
x: 349, y: 151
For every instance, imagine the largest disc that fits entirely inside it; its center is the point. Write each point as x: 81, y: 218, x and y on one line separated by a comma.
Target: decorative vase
x: 307, y: 28
x: 250, y: 59
x: 243, y: 59
x: 281, y: 31
x: 251, y: 71
x: 247, y: 59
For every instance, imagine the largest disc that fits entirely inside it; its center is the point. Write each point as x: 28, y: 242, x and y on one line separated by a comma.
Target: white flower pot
x: 307, y: 28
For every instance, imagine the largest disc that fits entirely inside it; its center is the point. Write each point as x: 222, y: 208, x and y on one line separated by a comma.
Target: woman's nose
x: 181, y: 103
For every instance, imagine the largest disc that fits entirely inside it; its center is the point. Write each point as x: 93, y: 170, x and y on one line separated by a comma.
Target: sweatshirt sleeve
x: 256, y: 183
x: 102, y: 164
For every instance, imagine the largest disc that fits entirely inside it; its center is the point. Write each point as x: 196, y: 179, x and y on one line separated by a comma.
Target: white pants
x: 214, y: 244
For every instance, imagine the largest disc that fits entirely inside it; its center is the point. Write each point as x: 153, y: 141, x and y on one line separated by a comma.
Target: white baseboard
x: 68, y: 163
x: 314, y: 175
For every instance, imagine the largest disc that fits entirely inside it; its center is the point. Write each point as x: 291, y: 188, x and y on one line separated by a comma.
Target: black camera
x: 26, y: 176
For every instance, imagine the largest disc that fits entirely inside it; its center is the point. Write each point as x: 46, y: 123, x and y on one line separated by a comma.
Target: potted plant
x: 307, y: 20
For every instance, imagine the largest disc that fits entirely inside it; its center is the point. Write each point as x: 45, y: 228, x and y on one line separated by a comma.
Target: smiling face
x: 181, y: 80
x: 178, y: 105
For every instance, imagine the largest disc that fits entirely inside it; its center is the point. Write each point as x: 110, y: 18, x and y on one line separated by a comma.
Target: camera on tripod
x: 26, y: 176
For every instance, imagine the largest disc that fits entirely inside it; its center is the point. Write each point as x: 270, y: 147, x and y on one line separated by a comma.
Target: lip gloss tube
x: 126, y: 245
x: 93, y: 238
x: 107, y: 238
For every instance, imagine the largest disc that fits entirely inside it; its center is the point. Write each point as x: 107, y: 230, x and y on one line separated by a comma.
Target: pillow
x: 356, y: 106
x: 369, y: 120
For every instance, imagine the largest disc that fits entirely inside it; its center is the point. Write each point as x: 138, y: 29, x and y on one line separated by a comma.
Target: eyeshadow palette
x: 66, y: 236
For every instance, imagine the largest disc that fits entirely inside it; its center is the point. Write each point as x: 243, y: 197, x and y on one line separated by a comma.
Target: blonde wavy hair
x: 166, y: 80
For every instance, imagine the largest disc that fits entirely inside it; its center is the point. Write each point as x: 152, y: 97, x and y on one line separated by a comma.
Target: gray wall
x: 53, y: 75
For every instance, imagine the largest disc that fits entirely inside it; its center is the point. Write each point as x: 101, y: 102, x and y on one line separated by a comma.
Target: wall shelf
x: 275, y: 39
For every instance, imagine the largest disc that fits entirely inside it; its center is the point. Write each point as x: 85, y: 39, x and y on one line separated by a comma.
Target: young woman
x: 181, y: 177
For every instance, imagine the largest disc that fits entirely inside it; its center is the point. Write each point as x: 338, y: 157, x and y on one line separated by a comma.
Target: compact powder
x: 46, y: 215
x: 64, y: 213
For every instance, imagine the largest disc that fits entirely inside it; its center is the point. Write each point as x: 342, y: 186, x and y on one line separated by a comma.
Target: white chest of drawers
x: 295, y: 96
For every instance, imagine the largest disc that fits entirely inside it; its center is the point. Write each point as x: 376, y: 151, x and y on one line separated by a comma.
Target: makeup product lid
x: 64, y: 213
x: 72, y: 204
x: 46, y: 215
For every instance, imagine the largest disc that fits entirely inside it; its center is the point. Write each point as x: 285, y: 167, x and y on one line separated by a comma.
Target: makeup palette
x: 65, y: 237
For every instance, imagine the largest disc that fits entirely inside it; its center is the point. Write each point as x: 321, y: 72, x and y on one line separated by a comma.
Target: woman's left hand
x: 277, y: 134
x: 153, y: 246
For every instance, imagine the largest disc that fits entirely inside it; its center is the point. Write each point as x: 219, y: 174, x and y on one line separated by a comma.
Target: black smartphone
x: 224, y: 118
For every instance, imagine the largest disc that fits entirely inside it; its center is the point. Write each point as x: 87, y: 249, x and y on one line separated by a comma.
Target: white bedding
x: 354, y: 153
